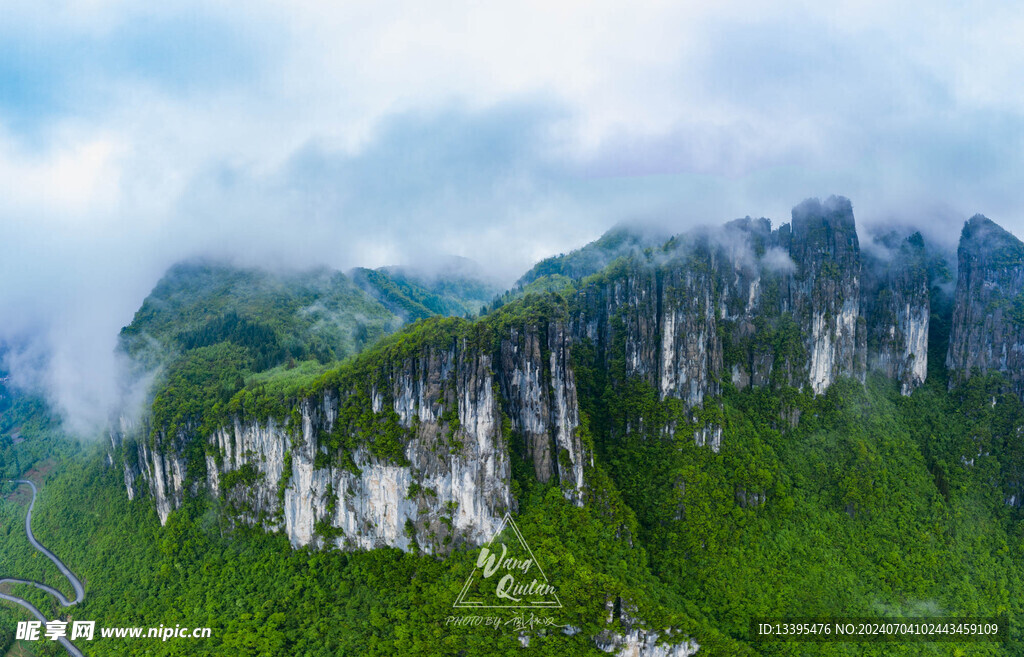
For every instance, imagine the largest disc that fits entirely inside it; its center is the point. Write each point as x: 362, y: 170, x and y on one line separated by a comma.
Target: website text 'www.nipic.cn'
x: 87, y: 630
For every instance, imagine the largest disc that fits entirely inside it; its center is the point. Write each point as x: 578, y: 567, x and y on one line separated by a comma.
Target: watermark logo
x: 507, y: 575
x: 54, y: 630
x: 86, y: 630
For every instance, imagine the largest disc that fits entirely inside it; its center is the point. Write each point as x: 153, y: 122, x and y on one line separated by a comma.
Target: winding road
x: 75, y: 582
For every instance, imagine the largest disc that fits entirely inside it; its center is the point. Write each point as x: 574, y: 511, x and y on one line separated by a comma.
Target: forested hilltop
x: 739, y: 422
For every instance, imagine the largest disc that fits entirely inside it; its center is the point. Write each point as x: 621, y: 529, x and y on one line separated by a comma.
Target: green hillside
x: 874, y: 504
x: 457, y: 289
x: 317, y: 314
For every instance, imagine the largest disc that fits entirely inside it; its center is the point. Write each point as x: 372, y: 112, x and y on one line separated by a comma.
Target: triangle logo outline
x: 462, y: 603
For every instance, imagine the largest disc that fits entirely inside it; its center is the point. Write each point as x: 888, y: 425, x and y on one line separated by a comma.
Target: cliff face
x: 748, y: 298
x: 988, y: 312
x: 662, y: 319
x: 415, y: 448
x: 897, y: 302
x: 448, y: 485
x: 424, y: 442
x: 801, y: 308
x: 825, y: 291
x: 449, y: 482
x: 452, y: 487
x: 540, y: 397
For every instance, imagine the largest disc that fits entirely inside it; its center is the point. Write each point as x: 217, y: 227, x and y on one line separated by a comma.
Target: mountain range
x: 695, y: 430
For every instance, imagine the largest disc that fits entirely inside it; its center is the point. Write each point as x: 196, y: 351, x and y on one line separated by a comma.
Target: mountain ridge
x: 705, y: 308
x: 670, y: 380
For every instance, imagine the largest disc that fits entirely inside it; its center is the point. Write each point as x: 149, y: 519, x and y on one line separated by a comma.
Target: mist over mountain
x: 634, y: 347
x: 663, y: 414
x: 309, y: 311
x: 746, y: 303
x: 273, y: 150
x: 52, y: 360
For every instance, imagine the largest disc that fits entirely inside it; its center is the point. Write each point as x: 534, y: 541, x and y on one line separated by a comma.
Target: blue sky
x: 136, y: 134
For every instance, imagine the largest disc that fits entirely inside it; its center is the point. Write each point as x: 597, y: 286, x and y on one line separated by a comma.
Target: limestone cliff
x: 825, y: 291
x: 412, y: 446
x: 896, y: 300
x: 410, y: 452
x: 793, y: 312
x: 988, y: 312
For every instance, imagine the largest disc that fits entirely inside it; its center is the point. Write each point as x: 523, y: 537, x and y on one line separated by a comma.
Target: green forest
x: 869, y: 509
x: 859, y: 502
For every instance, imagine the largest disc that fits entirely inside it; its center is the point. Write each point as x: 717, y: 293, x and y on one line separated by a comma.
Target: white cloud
x: 75, y: 182
x: 778, y: 260
x: 134, y: 135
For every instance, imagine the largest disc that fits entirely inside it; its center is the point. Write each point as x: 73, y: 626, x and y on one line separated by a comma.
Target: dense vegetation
x: 29, y: 431
x: 620, y: 241
x: 858, y: 502
x: 229, y: 341
x: 415, y: 295
x: 873, y: 505
x: 316, y: 314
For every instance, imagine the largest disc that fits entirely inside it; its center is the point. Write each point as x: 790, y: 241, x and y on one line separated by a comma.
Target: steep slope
x: 895, y: 295
x: 988, y: 318
x: 417, y: 420
x: 560, y: 273
x: 455, y: 289
x: 312, y: 314
x: 434, y: 419
x: 741, y: 422
x: 411, y: 301
x: 622, y: 240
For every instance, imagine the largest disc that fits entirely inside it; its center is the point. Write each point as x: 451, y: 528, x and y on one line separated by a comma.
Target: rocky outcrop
x: 691, y: 351
x: 538, y: 387
x: 803, y: 306
x: 826, y: 289
x: 321, y: 481
x: 449, y: 485
x: 798, y: 305
x: 661, y: 319
x: 636, y: 641
x: 565, y: 416
x: 897, y: 304
x: 528, y: 404
x: 645, y: 643
x: 754, y: 270
x: 791, y: 309
x: 365, y: 501
x: 988, y: 313
x: 760, y: 307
